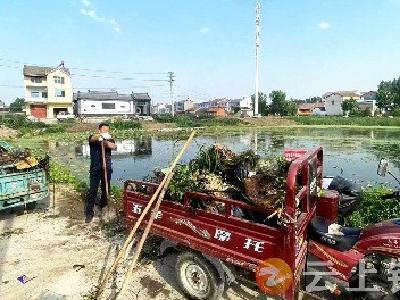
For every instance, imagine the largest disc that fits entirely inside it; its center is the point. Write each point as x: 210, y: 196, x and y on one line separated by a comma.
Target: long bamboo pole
x: 139, y: 247
x: 141, y: 217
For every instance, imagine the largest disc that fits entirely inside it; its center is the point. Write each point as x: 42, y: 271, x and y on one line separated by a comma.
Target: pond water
x: 351, y: 153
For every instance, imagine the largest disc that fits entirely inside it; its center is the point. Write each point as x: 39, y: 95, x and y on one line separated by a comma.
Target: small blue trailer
x: 22, y: 187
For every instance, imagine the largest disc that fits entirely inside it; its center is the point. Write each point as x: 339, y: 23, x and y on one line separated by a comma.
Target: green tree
x: 290, y: 109
x: 262, y: 103
x: 313, y: 99
x: 389, y: 94
x: 278, y: 102
x: 236, y: 110
x: 366, y: 112
x: 18, y: 105
x: 350, y: 105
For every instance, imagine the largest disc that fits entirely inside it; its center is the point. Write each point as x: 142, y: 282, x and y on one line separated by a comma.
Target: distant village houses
x: 184, y: 106
x: 242, y: 106
x: 48, y: 91
x: 161, y: 109
x: 334, y: 100
x: 223, y: 107
x: 3, y: 108
x: 309, y: 109
x: 95, y: 104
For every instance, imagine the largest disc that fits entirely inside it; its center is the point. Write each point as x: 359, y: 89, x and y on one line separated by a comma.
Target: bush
x: 18, y: 122
x: 396, y: 112
x: 24, y: 125
x: 373, y: 209
x: 128, y: 124
x: 54, y: 129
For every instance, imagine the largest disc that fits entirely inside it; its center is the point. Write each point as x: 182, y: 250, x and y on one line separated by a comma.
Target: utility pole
x: 171, y: 95
x: 258, y: 19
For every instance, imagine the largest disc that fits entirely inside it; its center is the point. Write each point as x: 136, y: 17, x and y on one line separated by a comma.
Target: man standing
x: 99, y: 143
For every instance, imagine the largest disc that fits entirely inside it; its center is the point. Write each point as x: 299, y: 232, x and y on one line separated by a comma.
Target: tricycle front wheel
x: 198, y: 278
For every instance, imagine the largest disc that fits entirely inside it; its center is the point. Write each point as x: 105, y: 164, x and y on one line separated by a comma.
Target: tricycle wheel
x: 31, y: 205
x: 198, y: 278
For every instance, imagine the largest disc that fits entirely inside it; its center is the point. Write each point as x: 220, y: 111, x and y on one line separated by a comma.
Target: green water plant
x: 373, y: 209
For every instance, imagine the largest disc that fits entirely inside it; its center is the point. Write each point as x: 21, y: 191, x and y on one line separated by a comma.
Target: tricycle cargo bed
x: 22, y: 187
x: 228, y: 235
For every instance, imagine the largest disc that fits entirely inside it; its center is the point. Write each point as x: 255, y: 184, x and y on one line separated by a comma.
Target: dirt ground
x: 64, y: 258
x: 7, y: 133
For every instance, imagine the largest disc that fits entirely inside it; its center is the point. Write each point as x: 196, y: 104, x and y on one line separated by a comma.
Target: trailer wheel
x: 197, y: 278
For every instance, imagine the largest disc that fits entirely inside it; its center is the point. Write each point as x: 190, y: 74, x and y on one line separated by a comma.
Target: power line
x: 105, y: 77
x: 118, y: 88
x: 86, y: 69
x: 12, y: 86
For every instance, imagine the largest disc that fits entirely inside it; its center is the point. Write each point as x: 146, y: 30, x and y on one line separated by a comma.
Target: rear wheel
x: 198, y: 278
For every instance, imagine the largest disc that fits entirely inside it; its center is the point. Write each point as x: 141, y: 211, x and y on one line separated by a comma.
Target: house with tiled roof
x: 308, y: 109
x: 96, y: 104
x: 48, y: 91
x: 333, y: 101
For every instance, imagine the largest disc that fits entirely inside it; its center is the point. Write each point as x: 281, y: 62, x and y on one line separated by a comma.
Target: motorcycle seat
x: 319, y: 232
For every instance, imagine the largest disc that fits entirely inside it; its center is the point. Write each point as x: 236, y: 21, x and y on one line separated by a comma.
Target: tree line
x: 389, y: 95
x: 278, y: 105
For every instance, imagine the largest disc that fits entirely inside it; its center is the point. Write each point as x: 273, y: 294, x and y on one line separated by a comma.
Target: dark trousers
x: 95, y: 178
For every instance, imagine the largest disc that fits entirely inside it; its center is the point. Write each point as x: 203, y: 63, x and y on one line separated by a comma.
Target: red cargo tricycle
x: 216, y: 246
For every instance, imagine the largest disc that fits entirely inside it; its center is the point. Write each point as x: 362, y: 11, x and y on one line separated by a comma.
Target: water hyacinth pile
x: 220, y: 172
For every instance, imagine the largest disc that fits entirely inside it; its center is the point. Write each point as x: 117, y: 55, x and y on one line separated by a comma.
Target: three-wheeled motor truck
x: 22, y: 187
x: 217, y: 247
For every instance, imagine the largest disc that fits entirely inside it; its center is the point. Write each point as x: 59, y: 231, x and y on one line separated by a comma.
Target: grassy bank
x: 62, y: 174
x: 351, y: 121
x: 193, y: 121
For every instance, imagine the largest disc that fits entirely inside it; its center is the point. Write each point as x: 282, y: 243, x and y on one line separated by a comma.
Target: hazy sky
x: 308, y: 47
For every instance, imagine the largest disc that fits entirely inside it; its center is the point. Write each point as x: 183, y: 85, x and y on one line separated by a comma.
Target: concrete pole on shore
x: 258, y: 19
x: 171, y: 94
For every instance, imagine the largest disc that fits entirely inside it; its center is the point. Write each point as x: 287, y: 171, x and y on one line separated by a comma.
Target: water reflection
x: 352, y: 153
x: 124, y: 148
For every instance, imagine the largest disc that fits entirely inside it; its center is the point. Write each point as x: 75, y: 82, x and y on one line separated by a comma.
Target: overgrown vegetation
x: 373, y: 209
x: 193, y: 121
x: 389, y: 94
x: 120, y: 124
x: 62, y: 175
x: 24, y: 125
x: 355, y: 121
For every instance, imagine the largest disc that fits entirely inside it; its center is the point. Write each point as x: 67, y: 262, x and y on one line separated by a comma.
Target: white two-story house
x: 333, y: 101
